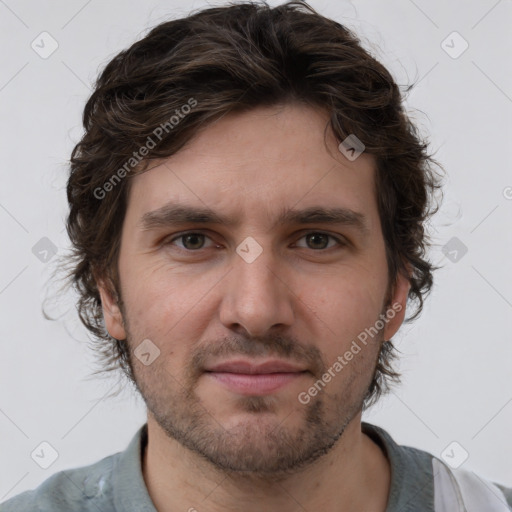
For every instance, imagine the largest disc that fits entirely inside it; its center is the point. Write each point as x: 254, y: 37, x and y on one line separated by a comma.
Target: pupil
x: 315, y: 235
x: 189, y: 237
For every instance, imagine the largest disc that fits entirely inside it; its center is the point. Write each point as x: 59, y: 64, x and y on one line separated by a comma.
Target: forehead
x: 259, y: 163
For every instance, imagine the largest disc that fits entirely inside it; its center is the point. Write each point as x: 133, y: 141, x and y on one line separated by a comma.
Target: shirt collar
x: 412, y: 485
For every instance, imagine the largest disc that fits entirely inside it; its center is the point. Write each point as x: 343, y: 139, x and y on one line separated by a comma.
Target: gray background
x: 456, y: 359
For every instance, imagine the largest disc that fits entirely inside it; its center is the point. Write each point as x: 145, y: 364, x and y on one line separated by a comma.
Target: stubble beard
x: 257, y: 447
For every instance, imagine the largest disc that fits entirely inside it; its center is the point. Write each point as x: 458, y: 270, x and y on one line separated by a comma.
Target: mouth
x: 249, y: 378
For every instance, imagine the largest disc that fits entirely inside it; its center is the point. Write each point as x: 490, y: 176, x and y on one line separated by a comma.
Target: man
x: 256, y: 133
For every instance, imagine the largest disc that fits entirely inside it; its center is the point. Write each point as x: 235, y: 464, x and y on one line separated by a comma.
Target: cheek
x: 168, y: 308
x: 341, y: 308
x: 350, y: 290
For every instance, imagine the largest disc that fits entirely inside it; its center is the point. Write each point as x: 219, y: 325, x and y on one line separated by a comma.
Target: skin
x: 303, y: 299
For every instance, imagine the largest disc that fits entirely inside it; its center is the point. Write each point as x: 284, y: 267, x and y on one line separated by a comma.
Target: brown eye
x: 193, y: 241
x: 190, y: 241
x: 319, y: 241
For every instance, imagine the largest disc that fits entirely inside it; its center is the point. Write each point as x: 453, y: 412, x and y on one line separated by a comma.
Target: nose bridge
x: 255, y: 266
x: 256, y: 296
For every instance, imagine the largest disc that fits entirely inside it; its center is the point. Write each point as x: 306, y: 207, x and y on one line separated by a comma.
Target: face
x: 237, y: 313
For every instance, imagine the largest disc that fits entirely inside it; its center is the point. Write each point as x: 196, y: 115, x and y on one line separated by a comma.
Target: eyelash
x: 339, y: 241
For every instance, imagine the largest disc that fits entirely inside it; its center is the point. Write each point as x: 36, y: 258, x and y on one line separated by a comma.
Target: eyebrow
x: 173, y: 214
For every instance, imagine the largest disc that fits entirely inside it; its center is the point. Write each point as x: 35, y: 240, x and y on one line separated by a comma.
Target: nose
x: 257, y: 296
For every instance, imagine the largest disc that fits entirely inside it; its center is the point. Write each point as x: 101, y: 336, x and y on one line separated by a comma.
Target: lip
x: 249, y: 367
x: 249, y: 378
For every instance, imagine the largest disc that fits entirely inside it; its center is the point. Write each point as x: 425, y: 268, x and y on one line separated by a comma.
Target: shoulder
x: 87, y: 488
x: 419, y: 476
x: 457, y: 490
x: 507, y: 493
x: 469, y: 490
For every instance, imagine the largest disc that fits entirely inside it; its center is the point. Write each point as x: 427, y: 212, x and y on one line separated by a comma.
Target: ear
x: 396, y: 308
x: 111, y: 312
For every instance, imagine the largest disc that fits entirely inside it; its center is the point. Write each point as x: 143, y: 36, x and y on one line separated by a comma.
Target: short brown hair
x: 233, y: 59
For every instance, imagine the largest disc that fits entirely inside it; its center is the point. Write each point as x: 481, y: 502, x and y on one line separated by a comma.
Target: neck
x: 354, y: 475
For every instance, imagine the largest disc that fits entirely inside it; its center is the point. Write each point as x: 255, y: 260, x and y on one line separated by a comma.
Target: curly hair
x: 233, y: 59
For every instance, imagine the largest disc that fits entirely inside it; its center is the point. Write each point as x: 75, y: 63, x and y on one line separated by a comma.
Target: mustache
x: 268, y: 346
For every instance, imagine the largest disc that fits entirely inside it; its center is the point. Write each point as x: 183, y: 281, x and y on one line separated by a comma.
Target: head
x: 208, y: 172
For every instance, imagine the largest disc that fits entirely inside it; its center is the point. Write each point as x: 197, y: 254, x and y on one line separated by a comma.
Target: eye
x: 191, y: 241
x: 318, y: 240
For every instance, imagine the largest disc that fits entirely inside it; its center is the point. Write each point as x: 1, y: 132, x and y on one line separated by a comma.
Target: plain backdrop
x: 456, y: 359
